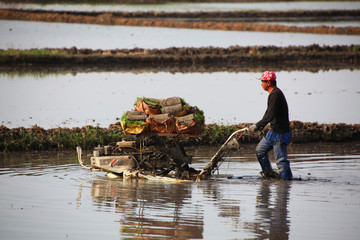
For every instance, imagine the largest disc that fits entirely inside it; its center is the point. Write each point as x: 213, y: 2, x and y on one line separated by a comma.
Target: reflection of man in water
x: 274, y: 223
x: 140, y: 204
x: 279, y: 135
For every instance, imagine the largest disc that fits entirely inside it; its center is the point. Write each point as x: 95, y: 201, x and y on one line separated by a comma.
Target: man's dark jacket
x: 277, y: 113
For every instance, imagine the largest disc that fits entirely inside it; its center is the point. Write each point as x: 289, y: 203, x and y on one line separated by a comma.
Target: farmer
x: 279, y: 135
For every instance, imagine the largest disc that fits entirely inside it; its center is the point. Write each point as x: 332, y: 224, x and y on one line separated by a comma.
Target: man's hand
x: 252, y: 128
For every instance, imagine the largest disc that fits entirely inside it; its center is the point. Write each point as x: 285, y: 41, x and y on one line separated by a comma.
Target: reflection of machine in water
x: 154, y: 210
x: 150, y: 209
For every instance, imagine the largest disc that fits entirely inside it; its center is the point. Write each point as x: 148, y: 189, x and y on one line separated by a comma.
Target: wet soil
x: 232, y: 21
x: 309, y: 58
x: 88, y: 137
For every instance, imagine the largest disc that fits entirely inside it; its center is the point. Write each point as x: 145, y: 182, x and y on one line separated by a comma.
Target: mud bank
x: 243, y: 16
x: 307, y: 58
x: 152, y: 20
x: 253, y: 16
x: 37, y: 138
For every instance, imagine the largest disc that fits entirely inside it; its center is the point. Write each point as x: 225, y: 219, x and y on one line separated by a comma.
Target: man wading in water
x: 279, y: 135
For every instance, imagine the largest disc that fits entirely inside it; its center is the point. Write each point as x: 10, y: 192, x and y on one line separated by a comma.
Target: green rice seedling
x: 152, y: 102
x: 127, y: 121
x: 199, y: 115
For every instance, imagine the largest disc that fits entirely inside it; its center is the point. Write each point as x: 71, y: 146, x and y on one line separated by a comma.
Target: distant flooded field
x: 47, y: 195
x: 192, y: 7
x: 101, y: 98
x: 27, y: 35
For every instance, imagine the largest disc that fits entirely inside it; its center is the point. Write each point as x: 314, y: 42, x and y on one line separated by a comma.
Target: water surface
x: 27, y: 35
x: 47, y: 195
x: 69, y: 100
x: 192, y: 7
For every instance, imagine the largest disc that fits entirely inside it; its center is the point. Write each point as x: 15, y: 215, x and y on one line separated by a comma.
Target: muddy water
x: 192, y: 7
x: 27, y: 35
x: 47, y: 195
x: 69, y: 100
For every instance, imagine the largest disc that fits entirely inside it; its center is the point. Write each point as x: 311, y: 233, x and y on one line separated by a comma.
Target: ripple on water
x: 67, y: 200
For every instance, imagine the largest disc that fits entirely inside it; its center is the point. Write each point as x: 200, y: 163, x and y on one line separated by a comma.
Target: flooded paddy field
x: 101, y: 98
x: 239, y: 21
x: 48, y: 195
x: 27, y: 35
x: 192, y: 7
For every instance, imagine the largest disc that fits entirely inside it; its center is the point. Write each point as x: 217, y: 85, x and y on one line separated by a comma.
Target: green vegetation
x: 37, y: 138
x: 152, y: 102
x: 127, y: 121
x: 355, y: 48
x: 199, y: 115
x: 155, y: 103
x: 88, y: 137
x: 215, y: 134
x: 183, y: 102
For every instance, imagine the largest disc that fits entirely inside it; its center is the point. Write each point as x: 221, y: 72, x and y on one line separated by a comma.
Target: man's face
x: 265, y: 84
